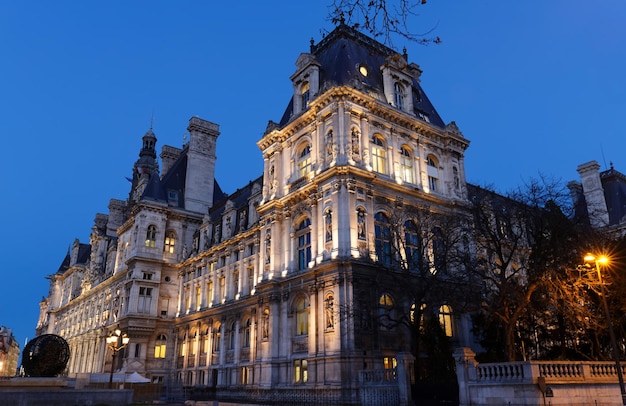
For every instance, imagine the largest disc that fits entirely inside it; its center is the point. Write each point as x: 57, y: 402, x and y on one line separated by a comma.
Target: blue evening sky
x: 537, y: 87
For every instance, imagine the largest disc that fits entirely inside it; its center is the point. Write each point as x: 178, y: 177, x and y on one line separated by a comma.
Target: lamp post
x: 116, y: 341
x: 590, y: 258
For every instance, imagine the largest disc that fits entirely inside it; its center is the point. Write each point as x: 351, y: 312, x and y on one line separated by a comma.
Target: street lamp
x: 590, y: 258
x: 116, y: 341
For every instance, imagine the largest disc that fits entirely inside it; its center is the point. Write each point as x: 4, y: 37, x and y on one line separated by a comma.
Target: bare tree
x: 381, y: 18
x: 523, y: 241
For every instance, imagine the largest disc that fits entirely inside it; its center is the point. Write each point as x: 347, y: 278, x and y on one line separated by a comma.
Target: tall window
x: 303, y: 236
x: 433, y: 173
x: 235, y: 283
x: 445, y: 319
x: 305, y: 94
x: 302, y: 316
x: 145, y: 300
x: 382, y: 238
x: 300, y: 371
x: 151, y: 236
x: 304, y: 161
x: 411, y: 246
x: 406, y: 165
x: 198, y: 297
x: 222, y: 289
x: 209, y: 291
x: 217, y: 336
x: 398, y: 95
x: 246, y: 334
x: 161, y: 345
x: 231, y: 336
x: 379, y: 155
x: 170, y: 242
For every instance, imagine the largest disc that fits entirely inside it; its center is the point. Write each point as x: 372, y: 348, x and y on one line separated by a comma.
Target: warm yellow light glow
x: 118, y: 332
x: 602, y: 259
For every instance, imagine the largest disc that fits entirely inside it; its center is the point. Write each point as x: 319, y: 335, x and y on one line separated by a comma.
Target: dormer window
x: 398, y: 96
x: 305, y: 90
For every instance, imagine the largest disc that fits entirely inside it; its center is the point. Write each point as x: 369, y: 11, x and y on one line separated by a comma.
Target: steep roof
x: 174, y: 181
x: 341, y: 55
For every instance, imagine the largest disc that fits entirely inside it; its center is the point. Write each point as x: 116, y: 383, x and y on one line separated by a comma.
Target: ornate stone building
x: 278, y: 288
x: 9, y: 353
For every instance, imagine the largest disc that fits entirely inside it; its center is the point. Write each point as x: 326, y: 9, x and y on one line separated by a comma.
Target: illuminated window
x: 305, y: 94
x: 445, y: 319
x: 161, y: 345
x: 170, y: 242
x: 246, y: 376
x: 304, y: 161
x: 398, y: 95
x: 300, y: 371
x: 198, y: 297
x: 222, y: 292
x: 406, y: 165
x: 382, y: 235
x: 151, y: 236
x: 302, y: 316
x: 385, y: 301
x: 209, y: 290
x: 389, y: 363
x: 303, y: 236
x: 379, y: 155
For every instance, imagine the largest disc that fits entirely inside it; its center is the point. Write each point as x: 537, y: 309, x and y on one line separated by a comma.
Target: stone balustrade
x: 572, y: 383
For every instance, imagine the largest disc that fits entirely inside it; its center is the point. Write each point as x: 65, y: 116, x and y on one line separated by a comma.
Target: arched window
x: 170, y: 242
x: 382, y: 238
x: 406, y: 165
x: 398, y: 95
x: 385, y: 307
x: 433, y: 173
x: 160, y: 347
x: 412, y: 246
x: 151, y: 236
x: 304, y: 161
x: 379, y: 155
x: 303, y: 236
x: 302, y: 316
x: 305, y: 94
x: 420, y: 314
x: 445, y: 319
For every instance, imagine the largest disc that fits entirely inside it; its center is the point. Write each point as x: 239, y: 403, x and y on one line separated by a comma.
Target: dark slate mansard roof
x: 340, y: 55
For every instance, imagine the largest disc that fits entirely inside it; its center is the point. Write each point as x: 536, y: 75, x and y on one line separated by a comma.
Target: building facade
x: 277, y: 289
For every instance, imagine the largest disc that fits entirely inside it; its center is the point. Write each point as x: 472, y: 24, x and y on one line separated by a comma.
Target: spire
x: 146, y: 166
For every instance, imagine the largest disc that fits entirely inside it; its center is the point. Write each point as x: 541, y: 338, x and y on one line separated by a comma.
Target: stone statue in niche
x: 356, y: 149
x: 329, y: 226
x: 361, y: 225
x: 268, y: 246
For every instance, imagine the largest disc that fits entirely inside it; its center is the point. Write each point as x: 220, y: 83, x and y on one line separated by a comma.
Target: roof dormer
x: 398, y: 78
x: 306, y: 82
